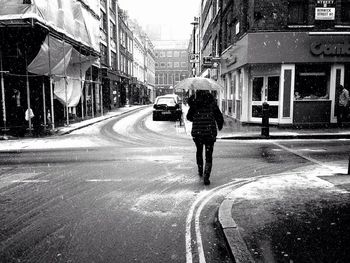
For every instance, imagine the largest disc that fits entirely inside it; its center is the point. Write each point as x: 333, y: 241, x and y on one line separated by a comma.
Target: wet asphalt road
x: 129, y: 199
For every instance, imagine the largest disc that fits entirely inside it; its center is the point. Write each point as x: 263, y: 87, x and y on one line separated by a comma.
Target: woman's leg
x: 209, y: 148
x: 199, y: 156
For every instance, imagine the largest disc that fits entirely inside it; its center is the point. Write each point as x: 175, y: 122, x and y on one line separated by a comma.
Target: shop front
x: 295, y: 73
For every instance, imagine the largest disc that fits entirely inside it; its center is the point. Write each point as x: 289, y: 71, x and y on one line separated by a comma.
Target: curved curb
x: 238, y: 247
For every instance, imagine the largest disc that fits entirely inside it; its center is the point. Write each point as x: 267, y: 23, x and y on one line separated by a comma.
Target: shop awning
x: 67, y: 67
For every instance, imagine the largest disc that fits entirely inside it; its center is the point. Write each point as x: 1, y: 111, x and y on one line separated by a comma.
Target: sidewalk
x: 78, y: 125
x: 300, y: 216
x: 234, y: 130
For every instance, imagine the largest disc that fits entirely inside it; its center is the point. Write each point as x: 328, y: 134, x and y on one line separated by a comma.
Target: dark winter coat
x: 205, y: 116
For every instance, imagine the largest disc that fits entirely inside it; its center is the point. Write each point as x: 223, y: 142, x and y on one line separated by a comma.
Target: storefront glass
x: 312, y: 82
x: 265, y: 89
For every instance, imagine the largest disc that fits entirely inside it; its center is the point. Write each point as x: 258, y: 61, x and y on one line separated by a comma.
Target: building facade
x: 150, y: 70
x: 290, y: 54
x: 125, y: 58
x: 48, y: 60
x: 171, y: 65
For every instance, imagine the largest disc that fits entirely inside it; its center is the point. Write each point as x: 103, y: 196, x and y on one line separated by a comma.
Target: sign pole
x: 3, y: 95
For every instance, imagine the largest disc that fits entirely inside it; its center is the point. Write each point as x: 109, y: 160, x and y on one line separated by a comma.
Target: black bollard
x: 265, y: 120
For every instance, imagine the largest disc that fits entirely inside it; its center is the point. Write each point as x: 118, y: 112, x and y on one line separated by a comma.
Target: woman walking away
x: 206, y: 117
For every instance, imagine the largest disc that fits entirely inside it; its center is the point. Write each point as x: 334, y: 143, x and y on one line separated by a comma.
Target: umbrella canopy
x: 198, y: 83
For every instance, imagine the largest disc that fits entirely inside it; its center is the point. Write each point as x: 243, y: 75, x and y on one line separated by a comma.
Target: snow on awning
x: 66, y: 65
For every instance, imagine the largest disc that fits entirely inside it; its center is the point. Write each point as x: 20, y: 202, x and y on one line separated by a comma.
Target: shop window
x: 258, y: 84
x: 312, y: 82
x: 233, y: 93
x: 273, y: 88
x: 297, y: 12
x: 345, y: 11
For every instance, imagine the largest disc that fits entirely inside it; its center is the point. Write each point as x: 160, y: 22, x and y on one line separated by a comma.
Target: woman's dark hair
x: 204, y: 98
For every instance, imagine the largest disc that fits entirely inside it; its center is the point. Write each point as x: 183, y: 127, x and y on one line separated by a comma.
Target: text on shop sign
x: 340, y: 49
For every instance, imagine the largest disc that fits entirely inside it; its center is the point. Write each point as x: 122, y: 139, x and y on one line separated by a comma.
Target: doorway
x: 264, y: 88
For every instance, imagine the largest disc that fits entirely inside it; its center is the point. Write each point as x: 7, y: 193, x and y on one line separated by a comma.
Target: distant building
x: 171, y: 65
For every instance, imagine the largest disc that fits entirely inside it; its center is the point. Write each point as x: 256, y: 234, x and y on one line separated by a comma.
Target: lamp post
x: 195, y: 24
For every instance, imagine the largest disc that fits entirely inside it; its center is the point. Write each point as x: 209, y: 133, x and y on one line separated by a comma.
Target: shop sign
x: 325, y: 10
x: 330, y: 49
x: 324, y: 13
x: 207, y: 62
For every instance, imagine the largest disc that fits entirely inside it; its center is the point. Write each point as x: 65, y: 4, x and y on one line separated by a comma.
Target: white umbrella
x: 198, y: 83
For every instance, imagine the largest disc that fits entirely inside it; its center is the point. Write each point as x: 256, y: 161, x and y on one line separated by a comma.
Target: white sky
x: 175, y: 16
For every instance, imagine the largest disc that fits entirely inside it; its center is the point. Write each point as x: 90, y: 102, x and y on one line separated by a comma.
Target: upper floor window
x: 113, y: 60
x: 169, y: 54
x: 122, y: 37
x: 345, y: 11
x: 297, y: 12
x: 176, y: 54
x: 103, y: 3
x: 113, y: 5
x: 170, y: 64
x: 183, y: 54
x: 103, y: 50
x: 183, y: 64
x: 113, y: 30
x: 162, y: 54
x: 103, y: 20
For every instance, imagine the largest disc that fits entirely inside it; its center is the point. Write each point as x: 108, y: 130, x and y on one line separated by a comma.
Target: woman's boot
x: 200, y: 170
x: 207, y: 172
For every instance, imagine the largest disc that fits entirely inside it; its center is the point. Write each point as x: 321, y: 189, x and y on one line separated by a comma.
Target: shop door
x: 265, y: 88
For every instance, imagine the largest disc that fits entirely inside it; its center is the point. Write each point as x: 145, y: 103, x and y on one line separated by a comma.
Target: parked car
x: 167, y: 107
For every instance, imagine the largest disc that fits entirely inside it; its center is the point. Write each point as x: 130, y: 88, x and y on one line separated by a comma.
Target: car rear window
x: 167, y: 101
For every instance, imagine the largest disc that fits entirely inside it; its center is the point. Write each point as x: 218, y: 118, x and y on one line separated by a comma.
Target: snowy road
x: 123, y: 191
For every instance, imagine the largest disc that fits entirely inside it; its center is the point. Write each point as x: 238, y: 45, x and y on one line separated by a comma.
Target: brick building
x: 291, y: 54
